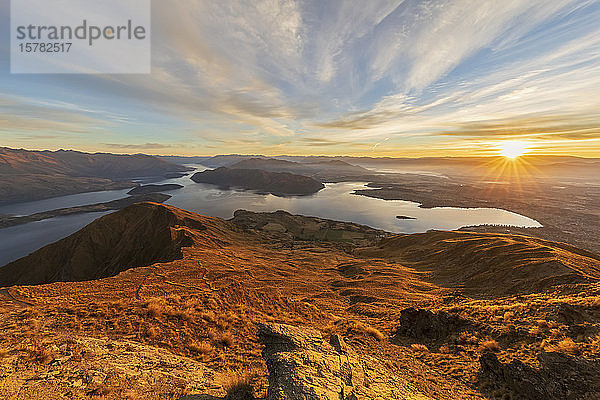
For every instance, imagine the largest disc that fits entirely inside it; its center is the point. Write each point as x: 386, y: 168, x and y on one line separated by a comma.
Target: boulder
x: 570, y: 314
x: 304, y: 366
x: 559, y: 377
x: 424, y: 324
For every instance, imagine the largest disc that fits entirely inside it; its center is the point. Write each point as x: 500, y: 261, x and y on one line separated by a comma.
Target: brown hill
x: 141, y: 234
x: 184, y: 324
x: 491, y: 264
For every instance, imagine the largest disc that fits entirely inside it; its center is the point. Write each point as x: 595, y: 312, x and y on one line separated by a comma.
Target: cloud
x: 338, y: 75
x: 142, y: 146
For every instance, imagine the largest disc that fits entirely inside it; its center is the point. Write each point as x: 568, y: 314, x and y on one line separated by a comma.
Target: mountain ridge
x: 189, y: 293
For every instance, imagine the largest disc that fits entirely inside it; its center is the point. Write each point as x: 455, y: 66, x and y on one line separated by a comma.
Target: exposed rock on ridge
x: 303, y: 366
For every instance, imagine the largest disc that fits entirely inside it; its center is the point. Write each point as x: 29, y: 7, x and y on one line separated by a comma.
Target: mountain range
x: 32, y: 175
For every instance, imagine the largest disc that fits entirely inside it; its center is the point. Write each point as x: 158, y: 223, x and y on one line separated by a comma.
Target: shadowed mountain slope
x: 76, y: 163
x: 140, y: 234
x: 32, y: 175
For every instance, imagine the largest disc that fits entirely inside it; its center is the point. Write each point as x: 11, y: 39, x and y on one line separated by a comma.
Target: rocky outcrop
x: 559, y: 377
x: 303, y: 366
x: 424, y: 324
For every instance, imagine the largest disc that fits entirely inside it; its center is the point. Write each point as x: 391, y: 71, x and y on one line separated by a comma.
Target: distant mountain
x: 277, y: 183
x: 227, y: 160
x: 321, y: 170
x: 531, y: 166
x: 185, y: 160
x: 76, y: 163
x: 32, y: 175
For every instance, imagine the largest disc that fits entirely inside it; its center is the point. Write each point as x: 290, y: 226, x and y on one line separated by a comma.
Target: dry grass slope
x: 176, y: 327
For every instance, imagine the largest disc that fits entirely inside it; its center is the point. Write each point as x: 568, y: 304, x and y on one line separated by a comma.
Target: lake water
x: 334, y: 202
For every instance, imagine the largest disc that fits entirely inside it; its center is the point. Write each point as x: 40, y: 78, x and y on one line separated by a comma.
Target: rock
x: 559, y: 377
x: 424, y: 324
x: 303, y: 366
x: 568, y: 314
x: 93, y: 377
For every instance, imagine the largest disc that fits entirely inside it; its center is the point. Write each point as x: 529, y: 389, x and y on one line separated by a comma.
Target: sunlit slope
x: 485, y: 264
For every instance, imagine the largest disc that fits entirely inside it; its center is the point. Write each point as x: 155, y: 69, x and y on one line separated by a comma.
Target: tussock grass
x: 419, y: 348
x: 202, y: 348
x: 566, y: 346
x: 490, y: 345
x: 237, y: 385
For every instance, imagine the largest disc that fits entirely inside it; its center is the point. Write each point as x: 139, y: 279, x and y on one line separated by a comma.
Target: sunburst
x: 513, y: 148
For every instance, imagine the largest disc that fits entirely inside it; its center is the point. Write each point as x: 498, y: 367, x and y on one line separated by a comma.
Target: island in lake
x: 276, y: 183
x: 147, y: 189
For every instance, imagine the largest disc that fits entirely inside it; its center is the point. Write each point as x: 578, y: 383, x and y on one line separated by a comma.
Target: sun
x: 513, y: 148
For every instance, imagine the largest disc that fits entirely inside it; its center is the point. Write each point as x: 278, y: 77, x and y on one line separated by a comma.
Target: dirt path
x: 7, y: 293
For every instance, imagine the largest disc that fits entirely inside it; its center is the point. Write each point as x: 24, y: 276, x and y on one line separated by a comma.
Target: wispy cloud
x: 141, y: 146
x: 334, y: 77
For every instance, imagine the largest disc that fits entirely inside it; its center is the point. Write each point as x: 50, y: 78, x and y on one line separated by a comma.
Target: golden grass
x: 39, y: 354
x: 156, y: 307
x: 152, y: 332
x: 225, y: 339
x: 490, y: 345
x: 566, y: 346
x: 237, y: 385
x: 202, y: 348
x: 419, y: 348
x: 374, y: 333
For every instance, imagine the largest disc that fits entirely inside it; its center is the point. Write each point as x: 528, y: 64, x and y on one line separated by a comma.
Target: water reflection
x: 336, y: 201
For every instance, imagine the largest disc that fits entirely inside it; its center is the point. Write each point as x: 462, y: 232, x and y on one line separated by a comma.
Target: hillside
x: 32, y: 175
x: 193, y: 304
x: 139, y: 235
x: 276, y: 183
x: 491, y: 264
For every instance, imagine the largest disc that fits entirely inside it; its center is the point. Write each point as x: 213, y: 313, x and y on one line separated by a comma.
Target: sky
x: 364, y: 78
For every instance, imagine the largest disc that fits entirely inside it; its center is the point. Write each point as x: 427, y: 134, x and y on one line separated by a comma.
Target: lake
x: 336, y: 202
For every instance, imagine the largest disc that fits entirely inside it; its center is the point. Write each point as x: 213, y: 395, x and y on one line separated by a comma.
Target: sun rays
x: 513, y: 148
